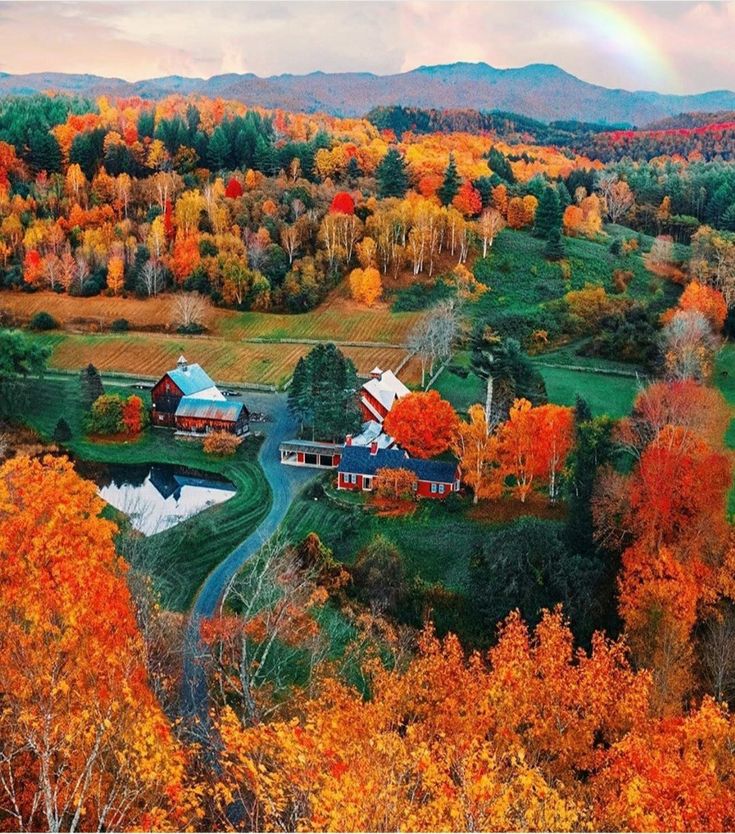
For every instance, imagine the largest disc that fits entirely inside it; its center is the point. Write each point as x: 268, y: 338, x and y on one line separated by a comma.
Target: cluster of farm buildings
x: 187, y: 400
x: 361, y: 456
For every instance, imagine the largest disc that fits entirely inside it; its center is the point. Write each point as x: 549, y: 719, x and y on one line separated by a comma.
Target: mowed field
x: 151, y: 354
x: 338, y: 319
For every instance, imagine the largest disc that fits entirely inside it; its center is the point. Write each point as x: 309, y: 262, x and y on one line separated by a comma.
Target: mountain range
x: 542, y: 91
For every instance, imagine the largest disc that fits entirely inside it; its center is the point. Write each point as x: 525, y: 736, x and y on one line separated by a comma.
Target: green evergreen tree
x: 62, y: 431
x: 514, y: 375
x: 548, y: 214
x: 353, y: 170
x: 217, y: 150
x: 44, y: 152
x: 447, y: 191
x: 392, y: 175
x: 554, y: 249
x: 499, y: 165
x: 322, y: 394
x: 299, y: 395
x: 91, y: 385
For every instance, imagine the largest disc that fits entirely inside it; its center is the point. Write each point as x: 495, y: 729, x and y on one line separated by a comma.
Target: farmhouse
x: 187, y: 399
x: 357, y: 468
x: 379, y: 393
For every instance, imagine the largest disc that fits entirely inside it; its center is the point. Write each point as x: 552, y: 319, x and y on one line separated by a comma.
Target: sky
x: 671, y: 47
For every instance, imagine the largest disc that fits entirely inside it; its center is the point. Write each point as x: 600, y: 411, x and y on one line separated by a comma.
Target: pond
x: 156, y: 497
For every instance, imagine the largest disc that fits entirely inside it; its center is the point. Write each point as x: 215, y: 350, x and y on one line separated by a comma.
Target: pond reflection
x: 156, y: 497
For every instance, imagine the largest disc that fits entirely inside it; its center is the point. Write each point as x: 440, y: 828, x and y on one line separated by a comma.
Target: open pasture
x: 151, y: 354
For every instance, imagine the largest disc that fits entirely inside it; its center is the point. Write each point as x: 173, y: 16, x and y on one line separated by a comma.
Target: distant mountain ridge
x: 541, y: 91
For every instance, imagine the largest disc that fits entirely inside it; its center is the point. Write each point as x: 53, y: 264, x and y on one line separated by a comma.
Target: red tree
x: 233, y: 189
x: 423, y: 423
x: 342, y: 204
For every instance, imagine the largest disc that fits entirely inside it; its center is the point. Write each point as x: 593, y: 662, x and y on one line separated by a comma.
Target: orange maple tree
x: 83, y: 744
x: 422, y: 423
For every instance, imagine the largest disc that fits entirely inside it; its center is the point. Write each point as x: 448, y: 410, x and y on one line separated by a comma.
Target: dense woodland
x: 584, y: 683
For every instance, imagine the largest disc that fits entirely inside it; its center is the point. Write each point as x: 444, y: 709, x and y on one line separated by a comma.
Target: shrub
x: 621, y: 279
x: 133, y: 415
x: 43, y: 321
x: 190, y: 329
x: 106, y: 415
x: 62, y: 431
x: 221, y: 444
x: 395, y: 483
x: 120, y: 326
x: 379, y: 576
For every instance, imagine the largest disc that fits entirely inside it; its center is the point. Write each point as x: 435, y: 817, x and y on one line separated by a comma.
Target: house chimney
x: 374, y: 447
x: 182, y: 364
x: 348, y: 440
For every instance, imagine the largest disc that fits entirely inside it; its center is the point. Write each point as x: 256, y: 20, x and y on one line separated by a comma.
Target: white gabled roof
x: 211, y: 393
x: 387, y: 389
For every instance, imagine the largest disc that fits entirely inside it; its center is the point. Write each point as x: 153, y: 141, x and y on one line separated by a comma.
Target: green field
x: 520, y: 279
x: 611, y: 392
x: 180, y: 558
x: 605, y: 393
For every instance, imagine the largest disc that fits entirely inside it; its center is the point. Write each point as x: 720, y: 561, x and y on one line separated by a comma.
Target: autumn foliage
x: 668, y: 515
x: 82, y: 740
x: 422, y: 423
x: 365, y: 285
x: 221, y: 444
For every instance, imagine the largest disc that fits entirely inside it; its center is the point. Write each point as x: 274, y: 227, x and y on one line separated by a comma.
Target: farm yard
x: 180, y: 558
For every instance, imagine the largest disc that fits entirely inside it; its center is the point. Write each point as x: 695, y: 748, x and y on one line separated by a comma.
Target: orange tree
x: 83, y: 744
x: 422, y: 423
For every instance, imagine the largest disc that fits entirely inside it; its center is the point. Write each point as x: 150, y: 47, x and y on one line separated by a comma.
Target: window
x: 367, y: 482
x: 353, y: 479
x: 441, y: 489
x: 433, y: 488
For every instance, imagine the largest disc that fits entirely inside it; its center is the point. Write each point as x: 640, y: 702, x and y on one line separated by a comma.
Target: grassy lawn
x: 436, y: 542
x: 180, y: 558
x: 605, y: 393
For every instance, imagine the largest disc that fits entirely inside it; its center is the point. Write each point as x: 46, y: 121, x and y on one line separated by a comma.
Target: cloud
x: 670, y: 46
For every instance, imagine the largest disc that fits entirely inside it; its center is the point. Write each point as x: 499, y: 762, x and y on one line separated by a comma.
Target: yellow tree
x: 477, y: 451
x: 115, y: 274
x: 365, y: 285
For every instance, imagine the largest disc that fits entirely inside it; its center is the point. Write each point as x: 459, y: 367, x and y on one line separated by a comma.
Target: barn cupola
x: 182, y: 364
x: 376, y: 373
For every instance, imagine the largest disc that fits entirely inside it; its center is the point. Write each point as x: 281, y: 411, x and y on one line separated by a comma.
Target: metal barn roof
x: 209, y: 409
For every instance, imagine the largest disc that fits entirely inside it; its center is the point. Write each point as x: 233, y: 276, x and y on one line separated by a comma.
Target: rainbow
x: 615, y: 24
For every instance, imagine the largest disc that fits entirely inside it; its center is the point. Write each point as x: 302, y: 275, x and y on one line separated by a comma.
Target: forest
x: 551, y: 649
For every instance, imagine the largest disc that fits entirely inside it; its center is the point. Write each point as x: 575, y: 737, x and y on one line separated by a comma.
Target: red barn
x: 379, y: 393
x: 434, y: 478
x: 187, y: 399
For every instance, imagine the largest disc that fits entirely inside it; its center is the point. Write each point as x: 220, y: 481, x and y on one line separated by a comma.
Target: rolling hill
x: 541, y: 91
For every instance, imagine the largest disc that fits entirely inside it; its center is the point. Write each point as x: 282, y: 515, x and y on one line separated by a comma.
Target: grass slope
x: 178, y: 559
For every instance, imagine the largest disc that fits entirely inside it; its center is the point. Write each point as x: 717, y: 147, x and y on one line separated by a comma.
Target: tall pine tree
x: 322, y: 394
x: 91, y: 385
x: 548, y: 214
x: 447, y: 191
x: 392, y: 175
